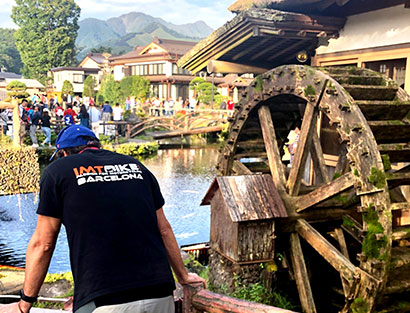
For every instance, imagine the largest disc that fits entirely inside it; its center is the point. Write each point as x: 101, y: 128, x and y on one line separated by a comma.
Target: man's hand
x: 192, y: 278
x: 16, y: 307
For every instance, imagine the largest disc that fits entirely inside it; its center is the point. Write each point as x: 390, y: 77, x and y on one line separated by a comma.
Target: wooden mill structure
x: 347, y: 232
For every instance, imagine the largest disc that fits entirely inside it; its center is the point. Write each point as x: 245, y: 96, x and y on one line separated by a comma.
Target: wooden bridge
x: 188, y: 122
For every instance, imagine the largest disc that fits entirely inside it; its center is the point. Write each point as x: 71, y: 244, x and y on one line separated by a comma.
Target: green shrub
x: 133, y: 149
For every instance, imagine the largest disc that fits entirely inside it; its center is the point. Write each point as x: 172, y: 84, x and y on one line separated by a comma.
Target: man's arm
x: 38, y: 256
x: 174, y: 254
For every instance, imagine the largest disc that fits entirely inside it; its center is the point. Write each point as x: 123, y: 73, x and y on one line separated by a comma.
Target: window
x: 78, y: 78
x: 147, y: 69
x: 383, y: 68
x: 178, y: 70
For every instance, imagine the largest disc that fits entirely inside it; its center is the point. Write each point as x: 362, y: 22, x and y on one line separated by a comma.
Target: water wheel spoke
x: 318, y: 159
x: 324, y: 192
x: 301, y: 275
x: 302, y: 150
x: 342, y: 162
x: 271, y: 146
x: 333, y: 256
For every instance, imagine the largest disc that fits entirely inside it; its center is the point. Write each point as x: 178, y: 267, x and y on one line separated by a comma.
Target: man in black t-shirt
x: 121, y: 244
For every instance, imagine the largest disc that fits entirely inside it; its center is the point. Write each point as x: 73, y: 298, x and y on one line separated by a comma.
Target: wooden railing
x: 197, y: 299
x: 158, y: 111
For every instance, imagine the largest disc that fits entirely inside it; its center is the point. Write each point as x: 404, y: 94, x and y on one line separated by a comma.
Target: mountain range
x: 123, y: 33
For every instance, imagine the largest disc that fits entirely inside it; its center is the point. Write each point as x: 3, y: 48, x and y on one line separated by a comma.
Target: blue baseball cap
x: 73, y: 136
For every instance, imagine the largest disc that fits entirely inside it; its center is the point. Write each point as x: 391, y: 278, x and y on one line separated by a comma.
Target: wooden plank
x: 355, y: 229
x: 398, y: 179
x: 272, y: 148
x: 318, y: 159
x: 343, y: 248
x: 390, y: 131
x: 398, y: 152
x: 326, y: 249
x: 363, y: 92
x: 401, y: 233
x: 240, y: 168
x: 302, y: 150
x: 400, y: 206
x: 211, y: 302
x: 301, y: 275
x: 324, y: 192
x: 384, y: 110
x: 196, y: 131
x: 342, y: 161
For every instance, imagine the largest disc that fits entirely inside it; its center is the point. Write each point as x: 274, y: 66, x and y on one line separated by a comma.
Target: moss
x: 347, y: 222
x: 377, y: 178
x: 371, y: 245
x: 386, y: 162
x: 398, y: 147
x: 310, y: 91
x: 356, y: 172
x: 336, y: 175
x: 258, y: 83
x: 359, y: 305
x: 343, y: 199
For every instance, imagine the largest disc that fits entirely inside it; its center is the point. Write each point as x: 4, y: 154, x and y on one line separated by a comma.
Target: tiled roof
x: 174, y: 47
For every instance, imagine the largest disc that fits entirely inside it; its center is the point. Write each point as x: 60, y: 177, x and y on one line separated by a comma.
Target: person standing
x: 69, y: 115
x: 106, y: 112
x: 84, y: 117
x: 46, y: 126
x: 24, y: 120
x: 35, y: 121
x: 95, y: 118
x: 117, y: 116
x: 122, y: 247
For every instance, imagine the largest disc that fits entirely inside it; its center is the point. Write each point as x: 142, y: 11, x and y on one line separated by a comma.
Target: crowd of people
x: 169, y: 107
x: 44, y: 113
x: 41, y: 113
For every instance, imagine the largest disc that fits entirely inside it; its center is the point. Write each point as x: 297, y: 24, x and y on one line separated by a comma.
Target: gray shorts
x: 158, y: 305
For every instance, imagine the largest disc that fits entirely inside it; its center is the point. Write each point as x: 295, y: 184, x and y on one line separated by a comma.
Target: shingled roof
x: 340, y: 8
x: 262, y: 38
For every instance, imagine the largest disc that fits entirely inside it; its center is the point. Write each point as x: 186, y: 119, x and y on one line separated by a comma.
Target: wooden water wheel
x: 344, y: 188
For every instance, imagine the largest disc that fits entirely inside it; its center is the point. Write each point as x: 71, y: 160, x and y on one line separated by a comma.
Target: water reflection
x: 184, y: 176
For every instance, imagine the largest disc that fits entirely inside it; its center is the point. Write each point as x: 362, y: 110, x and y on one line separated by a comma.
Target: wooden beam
x: 326, y: 249
x: 272, y: 149
x: 302, y: 150
x: 318, y: 160
x: 207, y: 301
x: 301, y: 276
x: 240, y: 168
x: 343, y: 248
x: 249, y: 49
x: 324, y: 192
x: 267, y: 49
x: 296, y: 44
x: 342, y: 161
x: 215, y: 66
x: 323, y: 5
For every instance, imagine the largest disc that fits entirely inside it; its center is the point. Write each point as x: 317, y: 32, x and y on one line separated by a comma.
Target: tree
x: 47, y: 33
x: 203, y: 89
x: 67, y: 88
x: 89, y: 86
x: 110, y: 89
x: 134, y: 86
x: 17, y: 89
x: 140, y: 87
x: 9, y: 55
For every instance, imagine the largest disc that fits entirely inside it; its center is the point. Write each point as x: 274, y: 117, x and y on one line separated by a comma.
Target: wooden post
x: 16, y: 123
x: 16, y: 119
x: 302, y: 279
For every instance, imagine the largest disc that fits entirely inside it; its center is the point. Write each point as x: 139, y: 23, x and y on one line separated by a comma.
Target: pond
x: 184, y: 176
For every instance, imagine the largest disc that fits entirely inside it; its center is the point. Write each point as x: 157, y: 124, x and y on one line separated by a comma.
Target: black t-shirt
x: 107, y: 202
x: 45, y: 120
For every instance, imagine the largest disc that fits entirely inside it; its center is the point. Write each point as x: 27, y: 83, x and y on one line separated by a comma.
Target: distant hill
x: 125, y: 32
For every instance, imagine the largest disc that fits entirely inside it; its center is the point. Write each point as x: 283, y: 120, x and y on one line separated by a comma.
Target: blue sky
x: 214, y: 12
